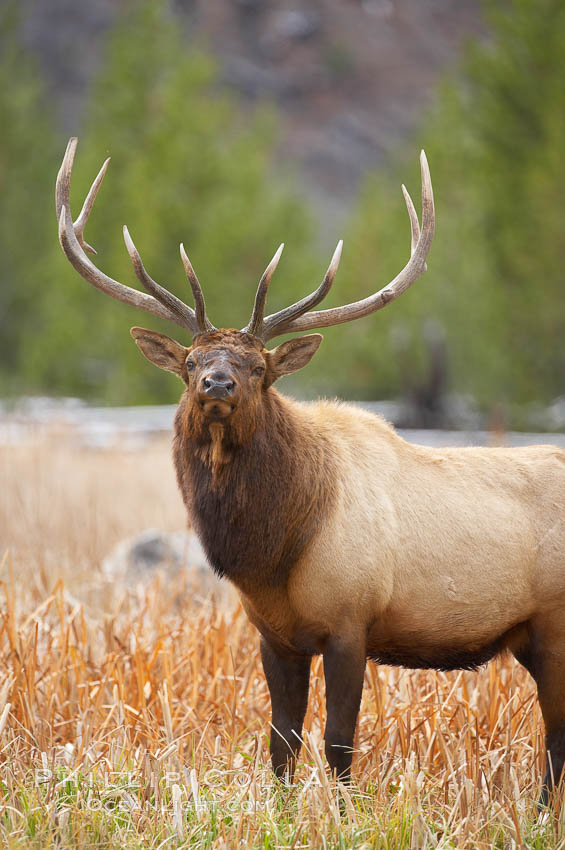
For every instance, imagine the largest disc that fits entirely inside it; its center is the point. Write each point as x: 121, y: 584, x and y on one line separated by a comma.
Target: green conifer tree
x: 494, y: 141
x: 27, y: 144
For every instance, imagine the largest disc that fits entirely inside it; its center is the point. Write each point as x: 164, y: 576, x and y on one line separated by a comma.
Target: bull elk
x: 342, y: 538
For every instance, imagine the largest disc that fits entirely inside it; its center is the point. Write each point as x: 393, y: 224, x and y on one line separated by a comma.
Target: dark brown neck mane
x: 255, y: 505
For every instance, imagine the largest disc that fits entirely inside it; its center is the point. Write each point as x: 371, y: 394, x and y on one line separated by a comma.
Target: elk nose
x: 218, y: 386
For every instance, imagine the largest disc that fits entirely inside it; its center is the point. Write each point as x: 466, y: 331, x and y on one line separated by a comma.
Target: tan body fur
x: 425, y: 550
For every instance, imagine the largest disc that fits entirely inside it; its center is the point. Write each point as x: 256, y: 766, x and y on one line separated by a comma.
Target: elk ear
x: 291, y: 356
x: 163, y: 351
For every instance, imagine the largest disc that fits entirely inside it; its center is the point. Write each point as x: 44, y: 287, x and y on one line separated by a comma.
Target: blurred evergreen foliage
x: 188, y: 166
x: 495, y: 280
x: 27, y: 141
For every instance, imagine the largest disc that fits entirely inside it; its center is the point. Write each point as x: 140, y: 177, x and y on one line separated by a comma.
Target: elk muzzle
x: 218, y: 395
x: 217, y: 388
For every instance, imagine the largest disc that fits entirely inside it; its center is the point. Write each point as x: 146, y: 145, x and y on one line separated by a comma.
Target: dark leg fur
x: 344, y: 668
x: 545, y: 668
x: 288, y: 678
x: 555, y: 744
x: 526, y: 658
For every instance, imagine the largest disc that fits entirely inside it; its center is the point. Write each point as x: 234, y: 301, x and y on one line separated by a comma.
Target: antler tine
x: 71, y: 237
x: 274, y: 324
x: 80, y: 223
x: 62, y: 195
x: 202, y: 320
x: 256, y: 323
x: 414, y: 223
x: 185, y: 314
x: 415, y: 267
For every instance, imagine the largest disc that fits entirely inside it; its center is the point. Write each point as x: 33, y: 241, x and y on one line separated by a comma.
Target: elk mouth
x: 216, y: 409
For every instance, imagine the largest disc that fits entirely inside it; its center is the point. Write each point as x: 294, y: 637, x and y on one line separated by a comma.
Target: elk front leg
x: 288, y: 678
x: 344, y: 669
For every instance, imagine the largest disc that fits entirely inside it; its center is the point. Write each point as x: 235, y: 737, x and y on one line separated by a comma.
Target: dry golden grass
x: 134, y: 717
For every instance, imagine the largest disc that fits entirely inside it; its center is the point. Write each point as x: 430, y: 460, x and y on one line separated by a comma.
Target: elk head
x: 226, y: 372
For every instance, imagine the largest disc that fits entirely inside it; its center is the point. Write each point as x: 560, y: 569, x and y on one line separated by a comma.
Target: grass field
x: 135, y: 717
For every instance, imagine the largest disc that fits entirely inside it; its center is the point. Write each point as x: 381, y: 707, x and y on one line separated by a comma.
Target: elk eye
x: 190, y: 364
x: 258, y: 371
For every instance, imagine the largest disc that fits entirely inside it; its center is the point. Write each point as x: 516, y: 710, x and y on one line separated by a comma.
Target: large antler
x: 160, y: 302
x: 296, y: 317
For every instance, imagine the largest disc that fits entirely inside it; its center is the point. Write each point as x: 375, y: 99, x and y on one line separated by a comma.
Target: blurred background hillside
x: 238, y: 124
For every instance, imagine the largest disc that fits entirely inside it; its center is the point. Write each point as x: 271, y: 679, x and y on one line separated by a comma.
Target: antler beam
x: 296, y: 317
x: 159, y: 302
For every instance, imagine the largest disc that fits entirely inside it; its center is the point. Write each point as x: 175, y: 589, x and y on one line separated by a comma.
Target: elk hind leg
x: 544, y: 658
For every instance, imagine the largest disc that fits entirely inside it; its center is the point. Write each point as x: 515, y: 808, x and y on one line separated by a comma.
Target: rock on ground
x: 138, y: 559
